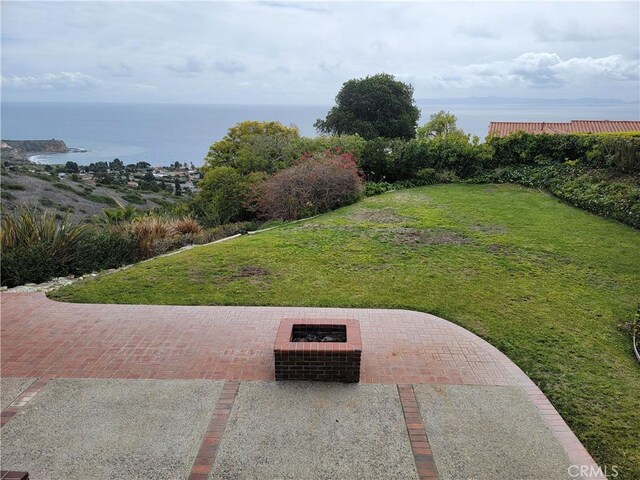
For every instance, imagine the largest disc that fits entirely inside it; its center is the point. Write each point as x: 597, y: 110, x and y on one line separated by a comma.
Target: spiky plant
x: 26, y: 227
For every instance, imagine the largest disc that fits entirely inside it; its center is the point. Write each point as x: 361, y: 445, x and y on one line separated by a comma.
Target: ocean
x: 164, y: 134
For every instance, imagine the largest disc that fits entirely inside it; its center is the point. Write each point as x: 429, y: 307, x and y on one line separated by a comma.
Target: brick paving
x: 43, y: 338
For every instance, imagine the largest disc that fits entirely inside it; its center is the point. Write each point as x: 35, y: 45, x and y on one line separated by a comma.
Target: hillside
x: 546, y: 283
x: 64, y: 196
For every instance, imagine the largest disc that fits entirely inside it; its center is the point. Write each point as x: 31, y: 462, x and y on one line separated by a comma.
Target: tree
x: 221, y: 196
x: 72, y: 167
x: 116, y: 165
x: 177, y: 188
x: 374, y: 106
x: 254, y: 147
x: 440, y: 124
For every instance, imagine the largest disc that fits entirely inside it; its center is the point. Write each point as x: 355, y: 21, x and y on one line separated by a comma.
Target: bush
x: 102, y: 249
x: 30, y: 264
x: 146, y: 233
x: 222, y: 195
x: 456, y: 152
x: 377, y: 188
x: 132, y: 197
x: 12, y: 186
x: 317, y: 184
x: 619, y: 153
x: 186, y: 226
x: 36, y: 247
x: 381, y: 159
x: 223, y: 231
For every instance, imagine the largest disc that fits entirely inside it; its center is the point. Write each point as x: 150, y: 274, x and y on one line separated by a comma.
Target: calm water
x: 163, y: 134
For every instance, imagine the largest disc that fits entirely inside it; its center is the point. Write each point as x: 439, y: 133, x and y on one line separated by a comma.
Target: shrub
x: 377, y: 188
x: 456, y: 152
x: 30, y: 264
x: 36, y: 247
x: 317, y: 184
x: 619, y: 153
x: 132, y: 197
x: 381, y: 159
x: 186, y: 226
x: 116, y: 216
x: 146, y: 232
x: 102, y: 249
x: 222, y: 195
x: 101, y: 199
x: 12, y: 186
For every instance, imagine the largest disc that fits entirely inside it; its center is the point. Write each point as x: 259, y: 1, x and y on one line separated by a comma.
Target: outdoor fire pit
x: 323, y: 350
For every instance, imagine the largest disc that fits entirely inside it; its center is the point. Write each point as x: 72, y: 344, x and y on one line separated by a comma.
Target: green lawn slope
x: 546, y: 283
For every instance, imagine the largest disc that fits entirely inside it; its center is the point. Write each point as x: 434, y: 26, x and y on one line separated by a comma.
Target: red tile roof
x: 502, y: 129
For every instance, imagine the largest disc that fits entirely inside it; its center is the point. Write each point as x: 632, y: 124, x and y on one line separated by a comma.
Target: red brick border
x: 25, y: 397
x: 417, y: 434
x: 209, y: 447
x: 9, y: 475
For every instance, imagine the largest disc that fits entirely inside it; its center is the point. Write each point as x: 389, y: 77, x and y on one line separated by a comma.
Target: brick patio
x: 41, y: 338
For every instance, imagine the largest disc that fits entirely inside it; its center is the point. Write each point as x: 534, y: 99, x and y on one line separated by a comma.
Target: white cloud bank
x: 53, y: 81
x: 540, y: 70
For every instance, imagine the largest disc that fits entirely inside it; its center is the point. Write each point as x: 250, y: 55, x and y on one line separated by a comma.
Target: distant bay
x: 164, y: 134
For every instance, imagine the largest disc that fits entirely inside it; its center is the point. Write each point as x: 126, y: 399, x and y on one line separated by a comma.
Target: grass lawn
x: 546, y: 283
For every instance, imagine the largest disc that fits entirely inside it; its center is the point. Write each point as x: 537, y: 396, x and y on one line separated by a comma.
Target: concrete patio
x: 128, y: 391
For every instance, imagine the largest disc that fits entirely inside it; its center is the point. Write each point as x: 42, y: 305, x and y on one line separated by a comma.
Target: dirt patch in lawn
x: 250, y: 272
x: 431, y: 236
x: 228, y: 275
x: 385, y: 215
x: 488, y: 229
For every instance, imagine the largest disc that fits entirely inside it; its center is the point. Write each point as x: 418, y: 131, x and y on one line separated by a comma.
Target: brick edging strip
x: 213, y: 436
x: 25, y: 397
x: 11, y: 475
x: 420, y: 446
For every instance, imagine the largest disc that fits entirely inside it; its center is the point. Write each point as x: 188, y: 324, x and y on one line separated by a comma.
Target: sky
x: 278, y: 52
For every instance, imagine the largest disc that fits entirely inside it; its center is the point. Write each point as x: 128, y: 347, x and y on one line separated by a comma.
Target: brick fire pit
x: 324, y: 350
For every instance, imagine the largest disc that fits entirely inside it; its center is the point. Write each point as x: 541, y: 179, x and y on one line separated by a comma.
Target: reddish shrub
x: 316, y: 184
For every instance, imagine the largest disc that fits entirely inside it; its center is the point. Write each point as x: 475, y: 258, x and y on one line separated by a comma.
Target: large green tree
x: 254, y: 147
x: 440, y: 124
x: 375, y: 106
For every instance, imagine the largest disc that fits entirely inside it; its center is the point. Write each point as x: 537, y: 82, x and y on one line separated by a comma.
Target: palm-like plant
x: 26, y: 227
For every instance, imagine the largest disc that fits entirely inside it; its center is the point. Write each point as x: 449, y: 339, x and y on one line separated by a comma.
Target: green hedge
x: 619, y: 153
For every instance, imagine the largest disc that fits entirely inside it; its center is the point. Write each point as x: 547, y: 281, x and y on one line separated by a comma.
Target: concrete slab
x: 106, y: 429
x: 487, y: 433
x: 11, y: 387
x: 297, y: 430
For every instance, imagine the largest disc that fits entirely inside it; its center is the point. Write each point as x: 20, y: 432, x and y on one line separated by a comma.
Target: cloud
x: 475, y: 31
x: 54, y: 81
x: 122, y: 70
x: 540, y: 70
x: 307, y: 7
x: 229, y: 66
x: 573, y: 31
x: 190, y: 67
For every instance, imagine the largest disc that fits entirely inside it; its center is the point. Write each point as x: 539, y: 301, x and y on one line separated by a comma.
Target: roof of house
x: 575, y: 126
